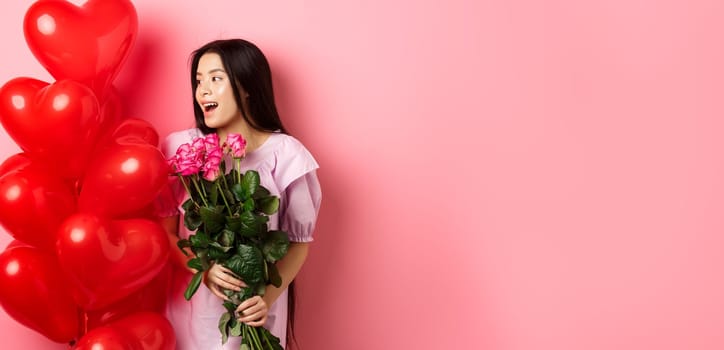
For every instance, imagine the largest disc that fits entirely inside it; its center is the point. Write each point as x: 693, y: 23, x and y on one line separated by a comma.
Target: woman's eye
x: 216, y: 78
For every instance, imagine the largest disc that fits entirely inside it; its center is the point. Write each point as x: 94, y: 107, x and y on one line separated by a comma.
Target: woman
x: 232, y: 86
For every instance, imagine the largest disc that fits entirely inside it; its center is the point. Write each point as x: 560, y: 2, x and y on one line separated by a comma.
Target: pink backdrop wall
x: 497, y: 174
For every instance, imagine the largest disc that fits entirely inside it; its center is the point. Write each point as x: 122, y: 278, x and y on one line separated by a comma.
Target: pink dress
x: 286, y: 169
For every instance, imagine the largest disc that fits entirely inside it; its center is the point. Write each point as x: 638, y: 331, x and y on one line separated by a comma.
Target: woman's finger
x: 236, y: 279
x: 253, y: 311
x: 215, y: 290
x: 217, y: 275
x: 255, y: 318
x: 251, y: 302
x: 228, y: 277
x: 258, y: 323
x: 223, y: 282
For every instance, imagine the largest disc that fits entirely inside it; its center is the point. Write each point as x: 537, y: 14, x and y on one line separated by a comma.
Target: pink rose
x: 212, y: 163
x: 188, y: 160
x: 237, y: 145
x: 172, y: 162
x: 211, y: 141
x: 199, y: 145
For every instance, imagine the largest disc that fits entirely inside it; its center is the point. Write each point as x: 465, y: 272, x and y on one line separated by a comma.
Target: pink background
x: 504, y: 174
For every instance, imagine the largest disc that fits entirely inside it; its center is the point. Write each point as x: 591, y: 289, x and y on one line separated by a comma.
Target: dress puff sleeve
x: 300, y: 207
x: 301, y: 194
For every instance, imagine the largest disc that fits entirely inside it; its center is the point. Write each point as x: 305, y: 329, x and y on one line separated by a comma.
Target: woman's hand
x: 219, y: 277
x: 253, y: 311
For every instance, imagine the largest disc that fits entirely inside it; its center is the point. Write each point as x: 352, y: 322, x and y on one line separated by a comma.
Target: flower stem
x: 226, y: 184
x: 200, y: 190
x: 186, y: 187
x: 266, y: 339
x: 224, y: 198
x: 237, y: 162
x: 255, y: 337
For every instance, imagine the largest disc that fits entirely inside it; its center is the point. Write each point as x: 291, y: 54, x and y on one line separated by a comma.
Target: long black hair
x: 248, y: 69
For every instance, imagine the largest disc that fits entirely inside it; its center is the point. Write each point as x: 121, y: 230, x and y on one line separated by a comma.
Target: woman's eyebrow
x: 213, y: 71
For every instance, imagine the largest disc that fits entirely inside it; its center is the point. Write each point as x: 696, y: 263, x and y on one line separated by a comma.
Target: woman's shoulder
x: 292, y: 158
x: 178, y: 138
x: 285, y: 145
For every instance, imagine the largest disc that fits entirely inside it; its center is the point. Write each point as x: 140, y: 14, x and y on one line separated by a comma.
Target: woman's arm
x: 288, y: 267
x: 253, y: 311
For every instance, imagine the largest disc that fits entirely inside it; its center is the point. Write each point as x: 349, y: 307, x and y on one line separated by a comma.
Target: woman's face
x: 214, y: 93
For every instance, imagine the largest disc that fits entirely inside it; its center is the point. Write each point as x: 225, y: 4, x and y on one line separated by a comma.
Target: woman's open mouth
x: 210, y: 106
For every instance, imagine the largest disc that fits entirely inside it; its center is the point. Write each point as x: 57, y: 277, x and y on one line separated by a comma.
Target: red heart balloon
x: 14, y: 162
x: 34, y: 293
x: 140, y: 331
x: 107, y: 338
x: 88, y: 44
x: 33, y: 204
x: 127, y: 131
x: 152, y: 330
x: 56, y: 123
x: 122, y: 179
x: 111, y: 111
x: 134, y: 130
x: 15, y: 243
x: 109, y: 260
x: 150, y: 298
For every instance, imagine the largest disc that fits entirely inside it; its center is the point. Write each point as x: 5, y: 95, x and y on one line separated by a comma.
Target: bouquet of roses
x: 229, y: 213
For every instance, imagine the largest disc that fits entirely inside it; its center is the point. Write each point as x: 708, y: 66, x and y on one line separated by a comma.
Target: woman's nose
x: 203, y: 90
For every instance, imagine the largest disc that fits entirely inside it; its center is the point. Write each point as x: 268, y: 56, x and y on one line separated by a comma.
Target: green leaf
x: 192, y: 220
x: 275, y: 246
x: 246, y: 293
x: 203, y: 255
x: 261, y: 192
x: 275, y: 279
x: 250, y: 181
x: 195, y: 264
x: 268, y: 205
x: 238, y: 297
x: 199, y: 240
x: 247, y: 264
x: 217, y: 252
x: 236, y: 328
x: 240, y: 193
x: 193, y: 285
x: 213, y: 193
x: 226, y: 239
x: 260, y: 289
x: 230, y: 307
x: 213, y: 218
x: 218, y: 246
x: 271, y: 341
x: 183, y: 243
x: 188, y: 205
x: 248, y: 205
x: 230, y: 197
x: 224, y: 326
x: 252, y: 225
x: 246, y: 224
